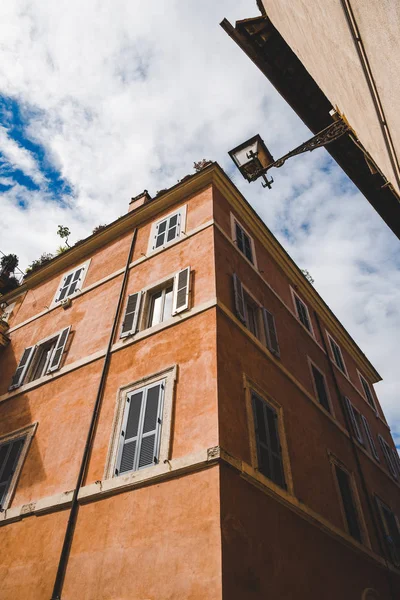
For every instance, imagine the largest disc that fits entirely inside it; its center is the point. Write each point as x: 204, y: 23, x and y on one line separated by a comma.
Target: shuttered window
x: 168, y: 229
x: 355, y: 423
x: 302, y: 313
x: 271, y: 336
x: 41, y: 359
x: 388, y: 453
x: 243, y: 241
x: 371, y: 441
x: 337, y: 355
x: 9, y: 456
x: 141, y: 428
x: 367, y: 392
x: 71, y: 283
x: 269, y: 452
x: 348, y: 502
x: 320, y: 387
x: 390, y: 531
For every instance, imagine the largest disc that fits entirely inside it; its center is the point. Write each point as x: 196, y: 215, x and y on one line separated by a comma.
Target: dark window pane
x: 247, y: 247
x: 321, y: 389
x: 239, y: 238
x: 134, y: 414
x: 267, y: 439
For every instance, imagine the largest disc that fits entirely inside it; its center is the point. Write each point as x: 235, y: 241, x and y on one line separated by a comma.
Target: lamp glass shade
x: 251, y: 157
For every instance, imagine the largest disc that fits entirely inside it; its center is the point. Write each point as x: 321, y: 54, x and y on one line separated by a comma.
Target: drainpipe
x: 356, y: 457
x: 73, y: 515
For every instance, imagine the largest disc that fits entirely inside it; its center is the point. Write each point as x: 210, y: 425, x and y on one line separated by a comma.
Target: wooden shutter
x: 64, y: 287
x: 370, y: 438
x: 354, y: 424
x: 267, y: 439
x: 349, y: 506
x: 159, y: 237
x: 270, y: 332
x: 9, y: 456
x: 75, y: 280
x: 149, y: 443
x: 141, y: 427
x: 181, y: 291
x: 22, y: 368
x: 388, y: 456
x: 239, y: 298
x: 58, y: 351
x: 131, y: 317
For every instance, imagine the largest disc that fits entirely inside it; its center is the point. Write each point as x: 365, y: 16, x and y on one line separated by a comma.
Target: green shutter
x: 271, y: 335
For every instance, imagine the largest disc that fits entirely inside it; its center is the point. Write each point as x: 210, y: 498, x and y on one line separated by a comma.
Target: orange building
x: 183, y: 417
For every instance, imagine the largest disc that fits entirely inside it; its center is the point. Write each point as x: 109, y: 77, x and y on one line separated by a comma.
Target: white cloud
x: 126, y: 95
x: 15, y: 156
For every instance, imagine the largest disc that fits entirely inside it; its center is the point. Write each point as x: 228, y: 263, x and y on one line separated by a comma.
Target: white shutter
x: 239, y: 298
x: 354, y: 424
x: 270, y: 332
x: 64, y: 287
x: 141, y: 427
x: 387, y: 451
x: 22, y: 368
x: 181, y: 291
x: 9, y: 456
x: 131, y: 317
x: 58, y: 351
x: 370, y: 438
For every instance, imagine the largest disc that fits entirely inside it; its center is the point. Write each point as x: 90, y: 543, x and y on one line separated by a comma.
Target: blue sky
x: 99, y: 101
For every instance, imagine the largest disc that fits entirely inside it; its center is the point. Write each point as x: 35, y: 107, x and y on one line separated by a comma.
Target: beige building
x: 343, y: 55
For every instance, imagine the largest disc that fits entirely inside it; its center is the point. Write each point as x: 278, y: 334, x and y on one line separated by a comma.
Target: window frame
x: 332, y: 354
x: 336, y: 462
x: 312, y: 365
x: 234, y: 222
x: 27, y: 432
x: 390, y: 461
x: 181, y: 211
x: 33, y: 359
x: 169, y: 375
x: 249, y: 387
x: 294, y: 296
x: 85, y: 267
x: 364, y: 394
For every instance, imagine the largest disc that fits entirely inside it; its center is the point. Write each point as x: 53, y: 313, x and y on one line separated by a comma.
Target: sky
x: 102, y: 99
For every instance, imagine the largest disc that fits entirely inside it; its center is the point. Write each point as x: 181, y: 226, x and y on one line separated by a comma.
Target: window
x: 320, y: 387
x: 337, y: 355
x: 243, y: 240
x: 248, y: 312
x: 391, y: 459
x: 391, y: 531
x: 269, y: 454
x: 40, y: 360
x: 71, y: 283
x: 141, y: 434
x: 355, y: 421
x: 367, y: 391
x: 160, y: 303
x: 302, y: 313
x: 346, y: 489
x: 370, y: 439
x: 13, y: 449
x: 141, y: 427
x: 169, y: 229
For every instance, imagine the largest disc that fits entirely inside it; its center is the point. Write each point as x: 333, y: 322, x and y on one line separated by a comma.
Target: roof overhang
x: 265, y: 46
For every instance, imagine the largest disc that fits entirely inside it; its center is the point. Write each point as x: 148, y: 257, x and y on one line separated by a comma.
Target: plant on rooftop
x: 39, y: 262
x: 99, y: 228
x: 64, y: 233
x: 307, y: 275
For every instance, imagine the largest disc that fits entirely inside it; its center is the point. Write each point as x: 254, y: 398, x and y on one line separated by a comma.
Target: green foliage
x: 9, y: 262
x: 98, y: 228
x: 64, y: 233
x: 61, y: 250
x: 39, y: 262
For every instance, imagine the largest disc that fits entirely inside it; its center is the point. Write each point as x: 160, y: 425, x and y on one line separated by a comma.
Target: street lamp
x: 253, y: 159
